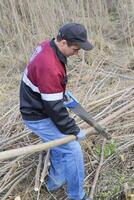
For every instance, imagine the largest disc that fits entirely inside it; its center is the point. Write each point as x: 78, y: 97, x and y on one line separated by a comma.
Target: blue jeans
x: 66, y: 160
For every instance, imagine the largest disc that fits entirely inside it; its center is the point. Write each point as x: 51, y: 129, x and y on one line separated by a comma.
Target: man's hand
x: 70, y: 100
x: 81, y: 135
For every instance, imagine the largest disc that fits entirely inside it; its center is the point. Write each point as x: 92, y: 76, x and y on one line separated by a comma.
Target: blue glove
x: 81, y: 135
x: 71, y: 101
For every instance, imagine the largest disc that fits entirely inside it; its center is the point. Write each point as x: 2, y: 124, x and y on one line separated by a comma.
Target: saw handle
x: 70, y: 100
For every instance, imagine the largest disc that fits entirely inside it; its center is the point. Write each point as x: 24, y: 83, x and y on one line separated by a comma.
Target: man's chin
x: 70, y: 55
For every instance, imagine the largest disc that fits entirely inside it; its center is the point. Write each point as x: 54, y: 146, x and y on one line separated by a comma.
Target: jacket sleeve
x: 60, y: 116
x: 51, y: 89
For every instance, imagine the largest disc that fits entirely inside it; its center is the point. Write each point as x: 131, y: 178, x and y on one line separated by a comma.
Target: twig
x: 97, y: 171
x: 46, y: 160
x: 16, y: 183
x: 43, y: 174
x: 37, y: 176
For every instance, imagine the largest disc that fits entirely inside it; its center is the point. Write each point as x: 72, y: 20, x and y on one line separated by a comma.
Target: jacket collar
x: 60, y: 55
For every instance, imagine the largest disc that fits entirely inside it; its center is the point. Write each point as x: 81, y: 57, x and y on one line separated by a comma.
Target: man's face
x: 69, y: 50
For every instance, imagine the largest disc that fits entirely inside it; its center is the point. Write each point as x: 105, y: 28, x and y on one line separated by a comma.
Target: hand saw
x: 72, y: 103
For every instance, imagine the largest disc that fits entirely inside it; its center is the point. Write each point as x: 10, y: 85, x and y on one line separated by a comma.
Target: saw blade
x: 87, y: 117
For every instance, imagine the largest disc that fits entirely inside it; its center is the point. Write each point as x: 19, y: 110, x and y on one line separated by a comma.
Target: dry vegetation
x: 102, y: 80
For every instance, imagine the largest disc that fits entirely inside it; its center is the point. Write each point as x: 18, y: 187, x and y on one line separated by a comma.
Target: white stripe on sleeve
x: 44, y: 96
x: 52, y: 97
x: 29, y: 83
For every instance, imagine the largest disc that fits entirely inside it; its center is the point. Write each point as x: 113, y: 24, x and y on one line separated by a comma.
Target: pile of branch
x: 108, y: 94
x: 14, y: 135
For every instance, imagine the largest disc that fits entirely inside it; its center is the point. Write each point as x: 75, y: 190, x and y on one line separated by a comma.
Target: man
x: 42, y: 93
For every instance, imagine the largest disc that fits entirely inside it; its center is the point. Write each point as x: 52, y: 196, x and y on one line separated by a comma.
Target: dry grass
x: 102, y: 81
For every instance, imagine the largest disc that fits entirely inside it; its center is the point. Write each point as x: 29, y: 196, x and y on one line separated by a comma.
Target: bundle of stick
x: 112, y: 107
x: 13, y: 171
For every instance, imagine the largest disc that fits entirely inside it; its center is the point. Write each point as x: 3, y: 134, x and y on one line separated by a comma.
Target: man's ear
x: 63, y: 43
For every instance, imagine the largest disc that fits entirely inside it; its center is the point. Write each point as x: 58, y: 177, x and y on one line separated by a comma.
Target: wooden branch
x: 44, y: 172
x: 97, y: 171
x: 35, y: 148
x: 15, y: 184
x: 17, y: 198
x: 38, y: 172
x: 45, y: 168
x: 112, y: 117
x: 39, y: 147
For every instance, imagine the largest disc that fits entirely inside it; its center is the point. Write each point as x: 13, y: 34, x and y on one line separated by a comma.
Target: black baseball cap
x: 74, y: 32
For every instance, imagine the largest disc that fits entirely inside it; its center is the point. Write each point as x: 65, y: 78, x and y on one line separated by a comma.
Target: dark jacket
x: 43, y: 86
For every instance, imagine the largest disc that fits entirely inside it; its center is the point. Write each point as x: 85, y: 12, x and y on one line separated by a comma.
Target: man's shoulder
x: 44, y: 58
x: 45, y: 43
